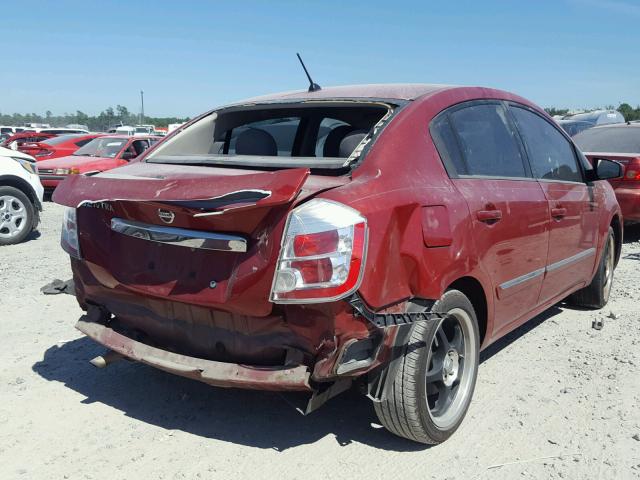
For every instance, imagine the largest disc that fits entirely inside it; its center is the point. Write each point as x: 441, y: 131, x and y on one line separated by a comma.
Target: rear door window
x: 487, y: 142
x: 550, y: 153
x: 332, y: 130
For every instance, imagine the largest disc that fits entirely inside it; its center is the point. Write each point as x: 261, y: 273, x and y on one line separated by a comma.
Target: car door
x: 573, y: 215
x: 509, y: 212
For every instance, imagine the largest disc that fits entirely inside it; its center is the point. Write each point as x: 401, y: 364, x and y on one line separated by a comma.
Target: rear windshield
x: 321, y: 135
x: 624, y: 139
x: 102, y: 147
x: 60, y: 139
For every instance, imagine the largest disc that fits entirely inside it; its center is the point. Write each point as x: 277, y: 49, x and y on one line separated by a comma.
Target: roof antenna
x: 313, y: 87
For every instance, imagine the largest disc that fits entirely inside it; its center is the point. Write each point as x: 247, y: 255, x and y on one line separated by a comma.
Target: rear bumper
x: 629, y: 200
x: 220, y: 374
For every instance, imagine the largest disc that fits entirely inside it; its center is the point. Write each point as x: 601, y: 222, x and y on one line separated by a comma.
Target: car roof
x: 392, y: 91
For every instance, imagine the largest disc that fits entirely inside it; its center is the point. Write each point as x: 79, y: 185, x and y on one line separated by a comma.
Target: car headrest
x: 332, y: 142
x: 256, y: 142
x: 350, y: 142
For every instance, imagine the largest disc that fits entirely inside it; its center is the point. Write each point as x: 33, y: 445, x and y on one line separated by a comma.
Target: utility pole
x: 141, y: 107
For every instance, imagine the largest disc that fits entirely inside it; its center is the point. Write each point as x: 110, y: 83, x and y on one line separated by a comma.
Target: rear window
x: 321, y: 135
x: 60, y: 139
x: 623, y: 139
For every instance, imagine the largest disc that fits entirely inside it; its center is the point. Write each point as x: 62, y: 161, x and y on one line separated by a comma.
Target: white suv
x: 20, y: 196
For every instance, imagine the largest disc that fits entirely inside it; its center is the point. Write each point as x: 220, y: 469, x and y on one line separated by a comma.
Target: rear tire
x: 17, y: 215
x: 433, y: 386
x: 596, y: 294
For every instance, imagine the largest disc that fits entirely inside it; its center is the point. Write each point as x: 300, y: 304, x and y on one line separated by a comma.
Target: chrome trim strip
x: 566, y: 261
x: 179, y: 236
x: 549, y: 268
x: 523, y: 278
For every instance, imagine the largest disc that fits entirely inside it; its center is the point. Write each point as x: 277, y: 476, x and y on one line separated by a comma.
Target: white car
x: 20, y: 196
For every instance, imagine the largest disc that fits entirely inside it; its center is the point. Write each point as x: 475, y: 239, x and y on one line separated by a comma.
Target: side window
x: 447, y: 145
x: 282, y: 130
x: 330, y: 132
x: 489, y: 146
x: 82, y: 143
x: 551, y: 155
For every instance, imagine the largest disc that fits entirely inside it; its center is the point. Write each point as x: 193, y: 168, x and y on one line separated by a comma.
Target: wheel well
x: 475, y: 293
x: 617, y: 236
x: 24, y: 187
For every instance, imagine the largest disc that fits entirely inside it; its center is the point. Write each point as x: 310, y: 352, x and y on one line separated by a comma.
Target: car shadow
x: 266, y: 420
x: 631, y: 233
x: 34, y: 235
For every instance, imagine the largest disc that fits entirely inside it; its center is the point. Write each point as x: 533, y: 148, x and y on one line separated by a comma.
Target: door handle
x: 489, y: 216
x: 558, y: 212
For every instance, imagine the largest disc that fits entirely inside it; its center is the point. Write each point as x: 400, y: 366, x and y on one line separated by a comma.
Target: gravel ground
x: 555, y: 399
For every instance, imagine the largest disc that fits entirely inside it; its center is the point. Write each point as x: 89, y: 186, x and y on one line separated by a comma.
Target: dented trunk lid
x: 248, y: 205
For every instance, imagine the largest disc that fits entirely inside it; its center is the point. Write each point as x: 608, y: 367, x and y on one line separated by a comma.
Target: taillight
x: 69, y: 238
x: 632, y: 175
x: 322, y: 254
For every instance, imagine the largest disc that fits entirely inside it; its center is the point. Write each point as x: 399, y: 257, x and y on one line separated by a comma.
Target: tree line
x: 625, y: 109
x: 98, y: 123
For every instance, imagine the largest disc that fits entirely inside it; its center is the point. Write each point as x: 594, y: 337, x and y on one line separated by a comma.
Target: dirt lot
x: 556, y: 399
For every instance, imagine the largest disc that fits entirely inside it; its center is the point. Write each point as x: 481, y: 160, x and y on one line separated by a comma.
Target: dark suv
x: 374, y: 234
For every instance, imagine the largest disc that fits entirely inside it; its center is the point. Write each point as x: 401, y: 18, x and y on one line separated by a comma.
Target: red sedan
x: 380, y: 235
x: 100, y: 154
x: 620, y: 142
x: 56, y: 147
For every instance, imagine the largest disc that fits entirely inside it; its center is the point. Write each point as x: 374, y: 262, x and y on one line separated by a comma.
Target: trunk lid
x: 248, y: 205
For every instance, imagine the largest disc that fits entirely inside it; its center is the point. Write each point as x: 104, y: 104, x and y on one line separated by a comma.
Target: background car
x: 621, y: 143
x: 59, y: 146
x: 573, y: 127
x: 100, y: 154
x: 597, y: 117
x: 20, y: 196
x: 14, y: 142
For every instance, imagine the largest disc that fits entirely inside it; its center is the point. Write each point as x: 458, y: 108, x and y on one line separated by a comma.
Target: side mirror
x: 608, y: 169
x: 128, y: 155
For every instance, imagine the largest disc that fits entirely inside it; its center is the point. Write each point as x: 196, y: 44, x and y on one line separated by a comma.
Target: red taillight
x: 632, y: 175
x: 322, y: 255
x: 315, y: 243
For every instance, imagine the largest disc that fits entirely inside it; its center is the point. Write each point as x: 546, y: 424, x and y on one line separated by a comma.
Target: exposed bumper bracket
x: 383, y: 320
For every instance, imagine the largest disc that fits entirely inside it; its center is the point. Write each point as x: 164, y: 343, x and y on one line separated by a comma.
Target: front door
x: 572, y: 210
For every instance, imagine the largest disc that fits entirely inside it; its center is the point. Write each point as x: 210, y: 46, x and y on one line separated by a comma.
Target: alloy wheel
x: 451, y: 368
x: 13, y: 216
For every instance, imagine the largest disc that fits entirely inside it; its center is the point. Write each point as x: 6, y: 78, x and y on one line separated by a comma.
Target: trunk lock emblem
x: 166, y: 216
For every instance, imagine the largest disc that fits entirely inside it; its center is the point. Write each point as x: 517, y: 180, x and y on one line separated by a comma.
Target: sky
x: 191, y: 56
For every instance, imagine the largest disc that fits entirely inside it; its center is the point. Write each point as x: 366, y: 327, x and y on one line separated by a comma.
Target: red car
x: 16, y: 141
x: 100, y: 154
x: 379, y: 235
x: 59, y: 146
x: 620, y: 142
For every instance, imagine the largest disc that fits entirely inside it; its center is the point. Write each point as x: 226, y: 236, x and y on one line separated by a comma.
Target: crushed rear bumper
x: 220, y: 374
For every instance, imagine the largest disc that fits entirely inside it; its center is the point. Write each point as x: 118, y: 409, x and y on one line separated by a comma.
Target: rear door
x: 508, y: 207
x: 573, y: 212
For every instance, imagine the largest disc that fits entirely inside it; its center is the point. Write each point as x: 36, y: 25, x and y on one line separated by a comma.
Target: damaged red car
x: 381, y: 235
